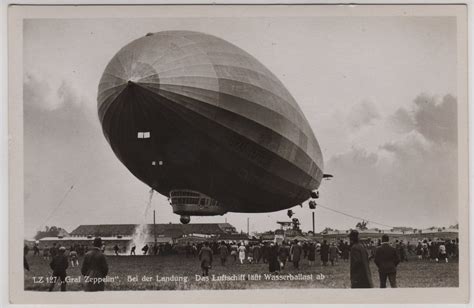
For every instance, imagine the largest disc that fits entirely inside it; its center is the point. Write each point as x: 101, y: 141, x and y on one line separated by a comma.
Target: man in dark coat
x: 145, y: 249
x: 311, y: 253
x: 205, y: 256
x: 305, y: 250
x: 387, y: 259
x: 265, y: 252
x: 25, y: 264
x: 295, y: 252
x: 59, y: 264
x: 214, y: 247
x: 256, y: 253
x: 36, y: 251
x: 223, y: 252
x: 273, y: 261
x: 449, y: 248
x: 324, y: 251
x: 403, y: 252
x: 95, y: 267
x: 433, y: 247
x: 283, y: 253
x: 116, y: 250
x: 81, y: 250
x: 360, y: 270
x: 345, y: 251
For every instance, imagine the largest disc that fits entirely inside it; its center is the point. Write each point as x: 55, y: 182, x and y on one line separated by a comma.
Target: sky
x: 379, y: 93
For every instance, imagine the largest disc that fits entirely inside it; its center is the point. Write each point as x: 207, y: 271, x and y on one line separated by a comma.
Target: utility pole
x: 248, y: 233
x: 313, y: 222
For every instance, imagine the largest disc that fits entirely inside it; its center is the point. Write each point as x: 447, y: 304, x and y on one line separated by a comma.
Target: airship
x: 204, y: 123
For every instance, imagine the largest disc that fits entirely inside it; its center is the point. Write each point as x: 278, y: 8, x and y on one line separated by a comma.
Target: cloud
x: 410, y: 179
x: 54, y: 112
x: 402, y: 121
x: 60, y: 139
x: 362, y: 114
x: 356, y: 157
x: 435, y: 119
x: 68, y: 95
x: 36, y: 92
x: 410, y: 146
x: 49, y: 93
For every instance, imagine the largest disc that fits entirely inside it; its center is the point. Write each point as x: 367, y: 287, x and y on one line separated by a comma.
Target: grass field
x: 410, y: 274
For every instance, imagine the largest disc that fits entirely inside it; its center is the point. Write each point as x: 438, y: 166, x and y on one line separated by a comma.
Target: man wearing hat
x: 94, y: 266
x: 387, y: 259
x: 360, y: 270
x: 295, y: 252
x: 205, y: 256
x: 59, y: 264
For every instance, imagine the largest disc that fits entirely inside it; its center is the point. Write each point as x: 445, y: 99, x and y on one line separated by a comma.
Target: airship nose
x: 123, y: 73
x: 141, y: 72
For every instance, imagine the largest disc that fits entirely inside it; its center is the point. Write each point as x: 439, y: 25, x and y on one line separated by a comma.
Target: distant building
x: 51, y: 232
x: 122, y: 234
x: 406, y: 234
x: 68, y: 242
x: 173, y: 231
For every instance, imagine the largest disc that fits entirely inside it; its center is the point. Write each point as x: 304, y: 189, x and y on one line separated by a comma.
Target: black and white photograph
x: 176, y: 149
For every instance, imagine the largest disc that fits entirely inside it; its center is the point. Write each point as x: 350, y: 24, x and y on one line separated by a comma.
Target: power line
x: 58, y: 205
x: 355, y: 217
x: 75, y: 183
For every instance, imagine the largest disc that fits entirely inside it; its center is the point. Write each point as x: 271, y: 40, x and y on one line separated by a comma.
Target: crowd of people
x: 277, y: 256
x: 437, y: 250
x: 94, y: 265
x: 256, y: 252
x: 359, y: 253
x: 50, y: 252
x: 385, y: 255
x: 387, y: 258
